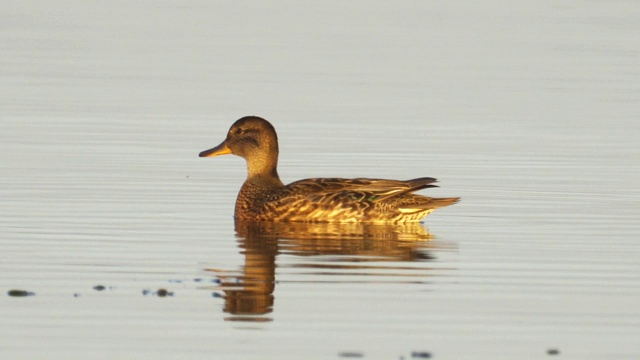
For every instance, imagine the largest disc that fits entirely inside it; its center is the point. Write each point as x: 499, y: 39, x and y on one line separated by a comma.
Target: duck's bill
x: 221, y: 149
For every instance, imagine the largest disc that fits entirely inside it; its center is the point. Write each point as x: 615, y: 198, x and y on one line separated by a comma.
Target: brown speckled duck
x: 263, y: 197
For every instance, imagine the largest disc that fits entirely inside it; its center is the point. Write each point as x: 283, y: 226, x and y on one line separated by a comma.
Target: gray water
x: 528, y: 111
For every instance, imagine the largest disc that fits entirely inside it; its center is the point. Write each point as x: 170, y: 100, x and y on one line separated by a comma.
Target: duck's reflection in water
x: 337, y: 249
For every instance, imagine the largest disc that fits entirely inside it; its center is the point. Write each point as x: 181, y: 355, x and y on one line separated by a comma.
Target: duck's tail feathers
x: 427, y: 206
x: 442, y: 202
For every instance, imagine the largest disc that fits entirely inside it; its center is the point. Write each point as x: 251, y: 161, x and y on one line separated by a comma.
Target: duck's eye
x: 239, y: 131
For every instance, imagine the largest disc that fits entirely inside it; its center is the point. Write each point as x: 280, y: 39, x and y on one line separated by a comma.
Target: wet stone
x: 20, y: 293
x: 421, y: 355
x: 351, y: 354
x: 164, y: 293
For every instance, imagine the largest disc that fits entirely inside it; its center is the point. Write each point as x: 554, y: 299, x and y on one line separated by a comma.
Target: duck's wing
x: 330, y: 190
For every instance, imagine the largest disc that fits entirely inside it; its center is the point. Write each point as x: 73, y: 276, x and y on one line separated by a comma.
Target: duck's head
x: 254, y: 139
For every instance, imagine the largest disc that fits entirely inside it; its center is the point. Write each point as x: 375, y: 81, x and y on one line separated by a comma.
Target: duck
x: 264, y: 197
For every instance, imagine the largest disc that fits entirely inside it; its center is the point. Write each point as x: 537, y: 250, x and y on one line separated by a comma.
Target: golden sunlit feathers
x: 263, y: 197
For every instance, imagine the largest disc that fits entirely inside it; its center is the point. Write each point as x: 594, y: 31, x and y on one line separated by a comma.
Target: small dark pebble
x: 420, y: 355
x: 197, y: 280
x: 163, y: 293
x: 99, y: 287
x: 216, y: 295
x: 351, y: 354
x: 553, y: 352
x: 146, y: 292
x: 76, y: 295
x: 20, y: 293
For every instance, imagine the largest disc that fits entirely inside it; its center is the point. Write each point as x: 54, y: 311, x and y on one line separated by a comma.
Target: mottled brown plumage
x: 263, y: 197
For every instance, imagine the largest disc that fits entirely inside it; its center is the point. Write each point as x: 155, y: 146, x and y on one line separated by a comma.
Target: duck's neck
x: 264, y: 168
x: 264, y: 164
x: 262, y: 176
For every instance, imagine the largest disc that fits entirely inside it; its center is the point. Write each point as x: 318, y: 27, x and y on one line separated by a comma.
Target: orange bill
x: 221, y: 149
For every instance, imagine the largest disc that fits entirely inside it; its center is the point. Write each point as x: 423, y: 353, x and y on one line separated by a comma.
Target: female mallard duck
x: 263, y: 197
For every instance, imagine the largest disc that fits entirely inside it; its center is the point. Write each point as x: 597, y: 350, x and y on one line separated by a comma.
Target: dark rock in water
x: 20, y: 293
x: 99, y: 287
x: 76, y: 295
x: 146, y: 292
x: 351, y: 354
x: 553, y: 352
x: 164, y: 293
x: 421, y: 355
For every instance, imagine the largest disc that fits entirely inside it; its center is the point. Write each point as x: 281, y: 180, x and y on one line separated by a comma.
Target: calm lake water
x: 125, y: 240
